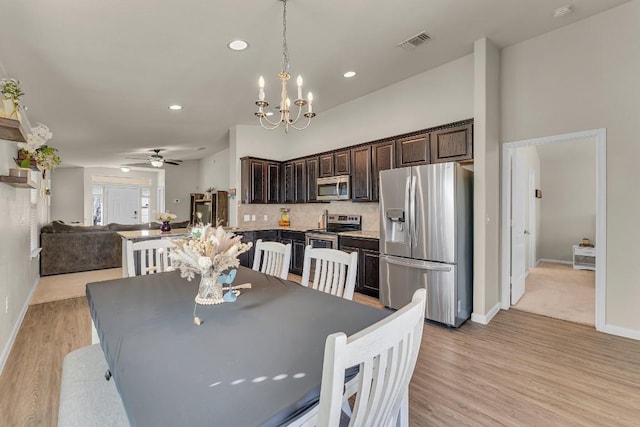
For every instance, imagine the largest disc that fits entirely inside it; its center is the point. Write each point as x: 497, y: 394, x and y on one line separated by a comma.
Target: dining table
x: 256, y: 361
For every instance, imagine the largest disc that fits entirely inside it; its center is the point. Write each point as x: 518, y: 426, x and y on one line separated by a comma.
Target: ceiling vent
x: 415, y: 41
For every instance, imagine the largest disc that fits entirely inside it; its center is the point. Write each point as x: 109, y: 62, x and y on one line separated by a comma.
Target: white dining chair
x: 272, y: 258
x: 334, y: 271
x: 153, y: 257
x: 386, y: 354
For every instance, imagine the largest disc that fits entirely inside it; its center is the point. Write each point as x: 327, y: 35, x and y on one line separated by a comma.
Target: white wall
x: 180, y: 182
x: 214, y: 171
x: 67, y: 195
x: 585, y: 76
x: 568, y: 204
x: 19, y: 273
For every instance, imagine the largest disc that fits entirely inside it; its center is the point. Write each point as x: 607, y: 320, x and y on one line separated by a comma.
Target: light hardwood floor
x: 522, y: 369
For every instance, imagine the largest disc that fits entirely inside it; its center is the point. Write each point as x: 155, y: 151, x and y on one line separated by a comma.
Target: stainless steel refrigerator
x: 426, y: 239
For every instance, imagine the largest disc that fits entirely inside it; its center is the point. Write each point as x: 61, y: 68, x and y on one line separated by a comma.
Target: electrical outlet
x: 6, y: 305
x: 246, y: 218
x: 266, y: 217
x: 253, y: 217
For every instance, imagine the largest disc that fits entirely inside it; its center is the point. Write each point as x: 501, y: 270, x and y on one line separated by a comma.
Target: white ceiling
x: 101, y: 74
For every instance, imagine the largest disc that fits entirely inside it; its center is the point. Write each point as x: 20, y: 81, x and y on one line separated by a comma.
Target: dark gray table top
x: 256, y: 361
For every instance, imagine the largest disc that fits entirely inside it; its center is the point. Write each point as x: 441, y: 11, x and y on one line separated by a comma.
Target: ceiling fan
x: 157, y: 160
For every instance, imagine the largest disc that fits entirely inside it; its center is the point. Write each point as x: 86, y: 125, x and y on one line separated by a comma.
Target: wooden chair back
x: 150, y: 256
x: 272, y: 258
x: 334, y: 271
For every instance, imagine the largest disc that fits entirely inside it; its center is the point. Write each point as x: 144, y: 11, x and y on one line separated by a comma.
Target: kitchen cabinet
x: 342, y: 162
x: 214, y: 209
x: 313, y: 171
x: 326, y: 165
x: 246, y: 258
x: 260, y: 180
x: 454, y: 144
x: 383, y: 157
x: 287, y: 181
x: 299, y: 181
x: 413, y: 150
x: 368, y: 280
x: 361, y: 178
x: 297, y: 241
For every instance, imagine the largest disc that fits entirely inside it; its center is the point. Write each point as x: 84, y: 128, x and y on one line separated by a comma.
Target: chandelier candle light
x: 285, y: 102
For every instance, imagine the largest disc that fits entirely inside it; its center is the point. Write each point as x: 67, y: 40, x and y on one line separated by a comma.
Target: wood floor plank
x: 520, y: 370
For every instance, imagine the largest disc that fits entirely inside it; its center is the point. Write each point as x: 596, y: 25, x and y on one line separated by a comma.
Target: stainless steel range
x: 335, y: 223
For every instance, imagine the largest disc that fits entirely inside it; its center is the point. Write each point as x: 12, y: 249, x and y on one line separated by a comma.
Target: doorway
x: 122, y: 205
x: 516, y: 179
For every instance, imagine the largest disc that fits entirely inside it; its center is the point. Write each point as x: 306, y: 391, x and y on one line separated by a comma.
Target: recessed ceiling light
x: 349, y: 74
x: 238, y: 45
x: 562, y: 11
x: 175, y: 107
x: 125, y: 169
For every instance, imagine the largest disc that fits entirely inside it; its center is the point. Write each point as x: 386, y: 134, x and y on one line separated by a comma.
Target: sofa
x: 73, y: 248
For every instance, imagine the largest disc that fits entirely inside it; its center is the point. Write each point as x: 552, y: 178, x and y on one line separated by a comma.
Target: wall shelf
x: 17, y: 181
x: 11, y: 130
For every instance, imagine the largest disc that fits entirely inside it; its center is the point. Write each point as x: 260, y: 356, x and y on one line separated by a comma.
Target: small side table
x: 584, y: 258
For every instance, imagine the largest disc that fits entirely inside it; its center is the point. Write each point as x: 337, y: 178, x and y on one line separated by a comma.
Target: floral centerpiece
x: 209, y: 252
x: 10, y: 102
x: 166, y: 218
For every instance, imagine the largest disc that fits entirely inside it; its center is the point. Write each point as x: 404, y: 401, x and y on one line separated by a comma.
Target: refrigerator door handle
x: 414, y: 223
x: 407, y: 204
x: 421, y: 265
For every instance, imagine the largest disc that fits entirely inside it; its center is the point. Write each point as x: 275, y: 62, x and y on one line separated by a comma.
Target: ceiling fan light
x: 157, y: 163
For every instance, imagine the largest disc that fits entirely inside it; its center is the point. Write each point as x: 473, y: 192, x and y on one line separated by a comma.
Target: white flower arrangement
x: 208, y: 251
x: 166, y: 216
x: 37, y: 138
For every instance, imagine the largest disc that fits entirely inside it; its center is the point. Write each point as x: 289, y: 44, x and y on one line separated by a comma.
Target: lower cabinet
x: 367, y: 281
x: 246, y: 259
x: 297, y: 241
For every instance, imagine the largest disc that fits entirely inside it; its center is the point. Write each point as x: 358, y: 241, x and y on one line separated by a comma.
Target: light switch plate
x: 253, y: 217
x: 246, y: 218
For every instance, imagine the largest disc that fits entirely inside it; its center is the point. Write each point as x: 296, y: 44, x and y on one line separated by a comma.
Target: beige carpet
x: 559, y: 291
x: 63, y: 286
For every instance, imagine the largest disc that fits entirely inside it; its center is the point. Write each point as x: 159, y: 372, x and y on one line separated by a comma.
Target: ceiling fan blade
x: 169, y: 162
x: 173, y: 160
x: 137, y: 158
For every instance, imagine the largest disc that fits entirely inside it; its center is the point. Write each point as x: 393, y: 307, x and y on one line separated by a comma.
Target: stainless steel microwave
x: 334, y: 188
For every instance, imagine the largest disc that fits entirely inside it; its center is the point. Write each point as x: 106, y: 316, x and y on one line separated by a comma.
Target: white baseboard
x: 16, y: 327
x: 634, y: 334
x: 485, y: 318
x: 556, y: 261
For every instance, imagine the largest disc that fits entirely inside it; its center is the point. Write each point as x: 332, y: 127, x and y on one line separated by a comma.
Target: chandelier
x: 285, y: 102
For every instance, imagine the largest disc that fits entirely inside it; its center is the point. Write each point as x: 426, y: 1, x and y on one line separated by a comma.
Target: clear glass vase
x: 210, y: 290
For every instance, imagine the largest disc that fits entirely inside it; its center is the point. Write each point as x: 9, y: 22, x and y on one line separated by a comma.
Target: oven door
x: 321, y: 240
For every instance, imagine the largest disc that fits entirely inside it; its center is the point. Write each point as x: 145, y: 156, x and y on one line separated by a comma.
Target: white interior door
x: 122, y: 205
x: 518, y: 247
x: 532, y: 229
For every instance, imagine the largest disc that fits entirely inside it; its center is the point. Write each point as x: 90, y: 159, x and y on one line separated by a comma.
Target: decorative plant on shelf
x: 46, y: 158
x: 10, y: 102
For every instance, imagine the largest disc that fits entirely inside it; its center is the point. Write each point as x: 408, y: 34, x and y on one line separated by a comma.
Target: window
x: 97, y: 203
x: 145, y: 196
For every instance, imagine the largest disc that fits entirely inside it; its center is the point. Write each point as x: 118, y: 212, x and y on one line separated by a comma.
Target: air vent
x: 415, y: 41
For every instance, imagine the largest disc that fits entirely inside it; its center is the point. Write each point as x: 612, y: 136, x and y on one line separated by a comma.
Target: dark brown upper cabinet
x: 326, y: 165
x: 361, y: 174
x: 383, y: 157
x: 299, y: 181
x: 260, y: 180
x: 287, y: 180
x: 313, y: 170
x: 342, y: 162
x: 454, y: 144
x: 413, y: 150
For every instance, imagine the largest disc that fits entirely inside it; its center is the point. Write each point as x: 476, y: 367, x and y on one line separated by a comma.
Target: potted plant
x: 10, y: 101
x: 36, y: 152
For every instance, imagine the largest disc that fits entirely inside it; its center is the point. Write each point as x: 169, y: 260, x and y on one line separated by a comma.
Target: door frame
x: 533, y: 229
x: 508, y: 148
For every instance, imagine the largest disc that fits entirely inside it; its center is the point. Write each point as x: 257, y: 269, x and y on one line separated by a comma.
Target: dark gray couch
x: 74, y: 248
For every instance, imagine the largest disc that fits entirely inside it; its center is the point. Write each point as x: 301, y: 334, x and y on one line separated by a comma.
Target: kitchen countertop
x: 145, y: 234
x: 268, y: 227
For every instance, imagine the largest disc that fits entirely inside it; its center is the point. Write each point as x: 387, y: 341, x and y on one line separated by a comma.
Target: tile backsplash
x: 307, y: 214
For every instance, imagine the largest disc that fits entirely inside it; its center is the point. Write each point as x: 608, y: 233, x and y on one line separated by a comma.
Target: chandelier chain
x: 285, y: 48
